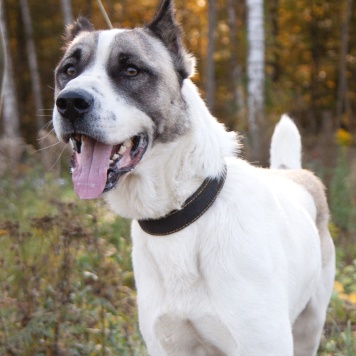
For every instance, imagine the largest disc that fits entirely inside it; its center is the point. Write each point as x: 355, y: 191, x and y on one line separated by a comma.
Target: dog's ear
x: 72, y: 30
x: 166, y: 28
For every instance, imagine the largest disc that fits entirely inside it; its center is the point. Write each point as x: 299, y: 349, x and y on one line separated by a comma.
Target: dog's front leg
x: 149, y: 294
x: 250, y: 301
x: 259, y: 324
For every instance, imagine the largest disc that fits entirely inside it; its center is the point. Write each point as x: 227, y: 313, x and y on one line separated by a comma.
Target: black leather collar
x: 194, y: 207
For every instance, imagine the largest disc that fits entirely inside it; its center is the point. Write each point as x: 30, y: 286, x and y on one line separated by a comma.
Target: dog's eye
x: 70, y: 71
x: 131, y: 71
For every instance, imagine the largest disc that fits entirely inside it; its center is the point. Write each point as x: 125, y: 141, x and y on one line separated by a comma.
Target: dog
x: 228, y: 258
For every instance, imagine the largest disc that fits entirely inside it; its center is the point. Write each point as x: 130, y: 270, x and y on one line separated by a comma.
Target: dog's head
x: 117, y: 93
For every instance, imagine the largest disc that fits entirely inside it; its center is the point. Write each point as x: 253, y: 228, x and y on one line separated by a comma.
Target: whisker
x: 59, y: 157
x: 50, y: 146
x: 46, y: 125
x: 40, y: 139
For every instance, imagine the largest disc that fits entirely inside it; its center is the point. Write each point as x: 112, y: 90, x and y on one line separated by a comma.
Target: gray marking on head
x: 165, y: 27
x: 156, y: 90
x: 82, y: 24
x: 102, y: 58
x: 80, y: 55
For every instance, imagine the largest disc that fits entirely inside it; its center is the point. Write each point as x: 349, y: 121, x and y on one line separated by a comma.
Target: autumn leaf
x: 338, y: 287
x: 343, y: 137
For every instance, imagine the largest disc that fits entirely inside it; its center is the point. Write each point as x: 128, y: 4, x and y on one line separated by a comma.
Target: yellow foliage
x: 351, y: 298
x: 343, y: 137
x: 339, y: 287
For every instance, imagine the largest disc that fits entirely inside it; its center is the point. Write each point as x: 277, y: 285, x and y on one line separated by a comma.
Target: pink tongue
x: 90, y: 174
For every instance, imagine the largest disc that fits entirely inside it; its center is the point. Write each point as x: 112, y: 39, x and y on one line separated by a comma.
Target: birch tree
x: 237, y: 87
x: 33, y: 66
x: 255, y: 72
x: 66, y: 11
x: 10, y: 115
x: 210, y: 65
x: 2, y: 58
x: 11, y: 143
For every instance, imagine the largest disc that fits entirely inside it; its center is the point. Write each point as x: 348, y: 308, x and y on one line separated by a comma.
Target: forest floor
x: 66, y: 281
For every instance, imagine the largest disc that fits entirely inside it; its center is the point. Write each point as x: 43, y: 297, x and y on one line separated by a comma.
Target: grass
x: 66, y: 282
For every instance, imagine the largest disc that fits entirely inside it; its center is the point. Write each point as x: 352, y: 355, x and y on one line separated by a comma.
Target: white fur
x: 169, y: 173
x: 234, y: 281
x: 286, y: 146
x: 247, y: 277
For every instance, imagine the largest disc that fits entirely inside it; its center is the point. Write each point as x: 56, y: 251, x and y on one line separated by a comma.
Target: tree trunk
x: 238, y: 92
x: 11, y: 144
x: 10, y: 115
x: 67, y: 12
x: 32, y: 61
x: 314, y: 34
x: 2, y: 57
x: 274, y: 16
x: 210, y: 65
x: 342, y: 104
x: 255, y: 73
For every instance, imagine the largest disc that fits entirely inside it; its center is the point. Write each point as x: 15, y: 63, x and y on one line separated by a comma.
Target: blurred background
x: 66, y: 284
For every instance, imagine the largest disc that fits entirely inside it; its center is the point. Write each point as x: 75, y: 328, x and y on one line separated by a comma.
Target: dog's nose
x: 74, y: 104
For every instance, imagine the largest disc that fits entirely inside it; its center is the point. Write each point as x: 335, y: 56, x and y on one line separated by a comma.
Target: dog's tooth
x: 128, y: 143
x: 115, y: 156
x: 122, y: 150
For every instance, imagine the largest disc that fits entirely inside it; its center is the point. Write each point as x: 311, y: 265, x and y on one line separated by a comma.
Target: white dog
x: 229, y: 259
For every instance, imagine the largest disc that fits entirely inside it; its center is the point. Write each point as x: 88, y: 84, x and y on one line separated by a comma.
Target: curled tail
x: 286, y: 146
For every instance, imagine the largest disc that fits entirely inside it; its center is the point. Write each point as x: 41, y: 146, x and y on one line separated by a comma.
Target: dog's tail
x: 286, y: 146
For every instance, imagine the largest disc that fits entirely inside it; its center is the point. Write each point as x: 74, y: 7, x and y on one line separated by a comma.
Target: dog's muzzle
x: 72, y: 105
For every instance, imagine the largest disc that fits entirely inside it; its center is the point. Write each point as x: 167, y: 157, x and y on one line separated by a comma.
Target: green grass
x: 66, y: 282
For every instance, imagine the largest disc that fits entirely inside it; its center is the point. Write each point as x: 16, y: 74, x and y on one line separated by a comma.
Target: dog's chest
x: 173, y: 297
x: 185, y: 322
x: 176, y: 265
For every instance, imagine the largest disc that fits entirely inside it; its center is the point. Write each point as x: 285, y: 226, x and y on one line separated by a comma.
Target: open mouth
x: 96, y: 167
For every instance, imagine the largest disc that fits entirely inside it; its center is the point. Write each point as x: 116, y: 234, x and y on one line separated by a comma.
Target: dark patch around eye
x: 77, y: 54
x: 123, y: 58
x: 70, y: 63
x: 126, y: 66
x: 80, y: 56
